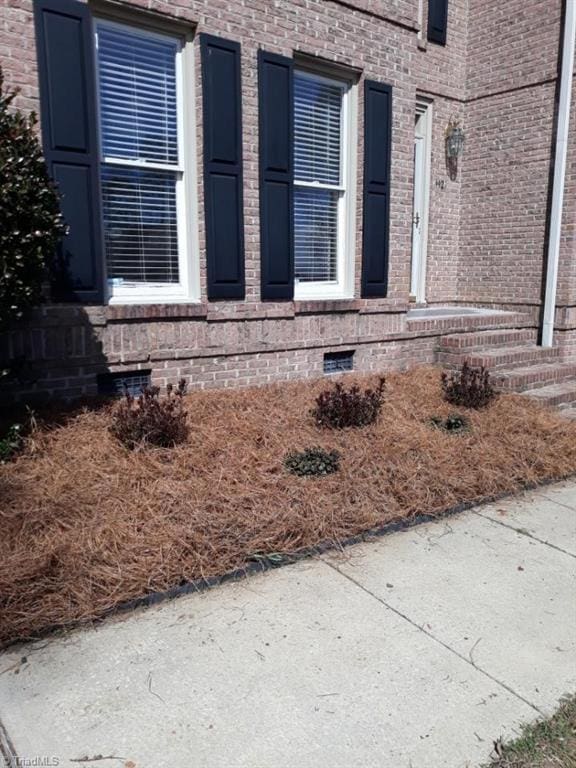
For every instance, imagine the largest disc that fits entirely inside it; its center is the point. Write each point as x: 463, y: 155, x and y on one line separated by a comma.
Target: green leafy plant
x: 453, y: 423
x: 312, y: 462
x: 148, y: 419
x: 340, y: 407
x: 469, y: 387
x: 31, y: 224
x: 11, y: 443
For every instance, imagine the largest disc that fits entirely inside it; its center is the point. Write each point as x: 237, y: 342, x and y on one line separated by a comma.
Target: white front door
x: 420, y: 203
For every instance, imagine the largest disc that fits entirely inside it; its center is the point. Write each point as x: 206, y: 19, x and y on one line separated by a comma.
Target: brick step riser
x: 473, y: 342
x: 525, y: 382
x: 499, y: 360
x: 467, y: 324
x: 563, y: 401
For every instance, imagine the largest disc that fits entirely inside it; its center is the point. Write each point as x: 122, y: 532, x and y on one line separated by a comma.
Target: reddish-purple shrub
x: 469, y: 387
x: 149, y: 419
x: 339, y: 407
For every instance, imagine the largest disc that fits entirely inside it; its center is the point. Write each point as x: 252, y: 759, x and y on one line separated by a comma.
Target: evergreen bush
x: 31, y: 224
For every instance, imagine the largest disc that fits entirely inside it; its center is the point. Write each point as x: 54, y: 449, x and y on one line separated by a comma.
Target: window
x: 142, y: 163
x: 321, y: 181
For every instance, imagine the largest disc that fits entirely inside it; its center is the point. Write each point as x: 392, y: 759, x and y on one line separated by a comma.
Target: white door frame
x: 421, y: 199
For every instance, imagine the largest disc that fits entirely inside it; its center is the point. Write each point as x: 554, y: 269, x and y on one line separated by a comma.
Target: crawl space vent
x: 113, y: 383
x: 338, y: 362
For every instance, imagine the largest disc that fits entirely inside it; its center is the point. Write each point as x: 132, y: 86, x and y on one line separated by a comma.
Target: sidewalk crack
x: 461, y: 656
x: 523, y: 532
x: 7, y: 750
x: 560, y: 503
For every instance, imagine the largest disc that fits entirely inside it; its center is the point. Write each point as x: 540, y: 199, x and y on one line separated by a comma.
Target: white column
x: 559, y: 173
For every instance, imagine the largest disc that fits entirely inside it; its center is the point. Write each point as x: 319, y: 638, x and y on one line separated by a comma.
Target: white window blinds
x: 141, y: 175
x: 315, y: 234
x: 138, y: 110
x: 317, y: 126
x: 140, y: 223
x: 318, y: 120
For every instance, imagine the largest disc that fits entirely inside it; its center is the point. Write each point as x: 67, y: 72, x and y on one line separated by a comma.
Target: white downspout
x: 559, y: 173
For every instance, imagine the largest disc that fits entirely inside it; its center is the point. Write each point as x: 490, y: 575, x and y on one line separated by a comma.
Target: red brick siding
x: 504, y: 196
x: 486, y: 228
x: 511, y: 44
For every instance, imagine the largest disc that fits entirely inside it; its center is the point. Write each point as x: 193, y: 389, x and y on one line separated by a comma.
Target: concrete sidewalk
x: 416, y: 650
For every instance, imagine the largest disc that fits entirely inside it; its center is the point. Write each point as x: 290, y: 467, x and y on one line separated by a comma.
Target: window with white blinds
x: 142, y: 174
x: 319, y: 180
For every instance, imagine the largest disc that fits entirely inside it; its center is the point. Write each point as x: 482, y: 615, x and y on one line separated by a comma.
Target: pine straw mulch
x: 87, y: 524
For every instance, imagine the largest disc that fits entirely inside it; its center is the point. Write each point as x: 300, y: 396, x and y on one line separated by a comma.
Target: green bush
x: 453, y: 423
x: 11, y: 442
x: 312, y: 462
x: 30, y: 220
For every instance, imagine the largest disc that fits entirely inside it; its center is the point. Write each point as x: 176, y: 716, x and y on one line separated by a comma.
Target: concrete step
x: 481, y: 339
x: 467, y: 323
x: 495, y: 358
x: 561, y: 396
x: 533, y: 377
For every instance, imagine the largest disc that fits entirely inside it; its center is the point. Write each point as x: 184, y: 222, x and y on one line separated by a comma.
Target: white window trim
x: 420, y: 20
x: 343, y: 287
x: 188, y: 287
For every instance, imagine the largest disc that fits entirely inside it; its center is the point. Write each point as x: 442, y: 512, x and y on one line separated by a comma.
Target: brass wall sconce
x: 454, y: 146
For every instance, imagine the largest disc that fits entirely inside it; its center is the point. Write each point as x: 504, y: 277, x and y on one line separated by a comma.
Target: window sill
x: 321, y: 293
x: 154, y: 297
x: 316, y: 306
x: 156, y: 311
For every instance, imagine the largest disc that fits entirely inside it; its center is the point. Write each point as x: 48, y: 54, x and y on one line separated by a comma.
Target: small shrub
x: 469, y: 387
x: 453, y: 423
x: 339, y: 407
x: 149, y: 419
x: 312, y: 462
x: 11, y: 443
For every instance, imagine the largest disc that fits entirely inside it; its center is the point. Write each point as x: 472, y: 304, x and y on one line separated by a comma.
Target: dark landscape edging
x: 275, y: 560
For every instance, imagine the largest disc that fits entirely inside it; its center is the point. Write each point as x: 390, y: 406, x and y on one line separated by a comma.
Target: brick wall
x: 18, y: 51
x: 510, y: 91
x: 511, y: 44
x: 485, y: 228
x: 401, y: 11
x: 505, y: 190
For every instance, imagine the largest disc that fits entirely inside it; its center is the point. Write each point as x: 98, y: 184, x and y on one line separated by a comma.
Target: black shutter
x: 377, y: 155
x: 437, y: 21
x: 69, y: 133
x: 275, y: 97
x: 223, y: 193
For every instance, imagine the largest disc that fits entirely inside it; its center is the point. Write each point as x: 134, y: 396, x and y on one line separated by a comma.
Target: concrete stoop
x: 516, y: 364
